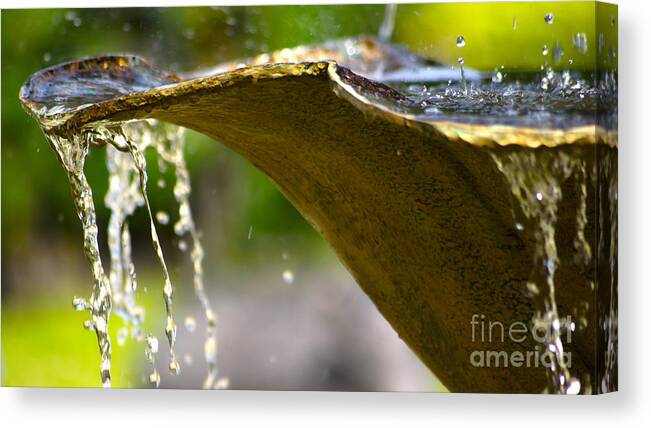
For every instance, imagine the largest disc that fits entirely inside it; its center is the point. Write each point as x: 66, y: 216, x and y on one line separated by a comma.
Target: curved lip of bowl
x: 345, y: 84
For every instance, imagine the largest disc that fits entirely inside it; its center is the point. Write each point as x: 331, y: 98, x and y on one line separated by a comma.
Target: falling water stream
x: 536, y: 180
x: 125, y: 146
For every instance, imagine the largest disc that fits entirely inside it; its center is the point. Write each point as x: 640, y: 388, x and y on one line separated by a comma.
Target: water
x: 388, y: 22
x: 568, y: 100
x: 461, y: 42
x: 580, y: 42
x: 288, y: 276
x: 72, y: 155
x: 549, y: 18
x: 536, y: 180
x: 125, y: 145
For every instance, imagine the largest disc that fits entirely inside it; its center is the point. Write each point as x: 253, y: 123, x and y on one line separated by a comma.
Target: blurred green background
x: 42, y: 261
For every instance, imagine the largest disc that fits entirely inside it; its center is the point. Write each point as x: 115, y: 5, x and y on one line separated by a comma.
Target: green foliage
x: 45, y: 345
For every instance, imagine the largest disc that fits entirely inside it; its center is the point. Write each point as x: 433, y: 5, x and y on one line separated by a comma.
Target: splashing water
x: 125, y: 147
x: 461, y: 42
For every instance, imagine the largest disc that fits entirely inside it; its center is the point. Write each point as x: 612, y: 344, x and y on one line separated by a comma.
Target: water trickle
x: 72, y: 155
x: 125, y: 146
x: 388, y: 22
x: 174, y: 155
x: 150, y: 351
x: 536, y: 180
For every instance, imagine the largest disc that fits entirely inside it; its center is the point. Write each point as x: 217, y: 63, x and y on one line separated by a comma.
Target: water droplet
x: 460, y: 60
x: 248, y: 237
x: 222, y: 383
x: 556, y: 324
x: 549, y: 18
x: 79, y: 303
x: 73, y: 17
x: 601, y: 42
x: 533, y: 288
x: 100, y: 325
x: 210, y: 350
x: 190, y: 324
x: 152, y: 344
x: 288, y: 276
x: 174, y: 367
x: 612, y: 21
x: 515, y: 23
x: 122, y: 336
x: 154, y: 378
x: 545, y: 50
x: 539, y: 196
x: 161, y: 183
x: 573, y: 387
x: 162, y: 217
x: 47, y: 57
x: 461, y: 42
x: 558, y: 53
x: 183, y: 246
x: 580, y: 42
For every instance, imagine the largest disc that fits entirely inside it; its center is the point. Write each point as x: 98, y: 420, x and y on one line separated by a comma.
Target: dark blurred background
x: 319, y: 331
